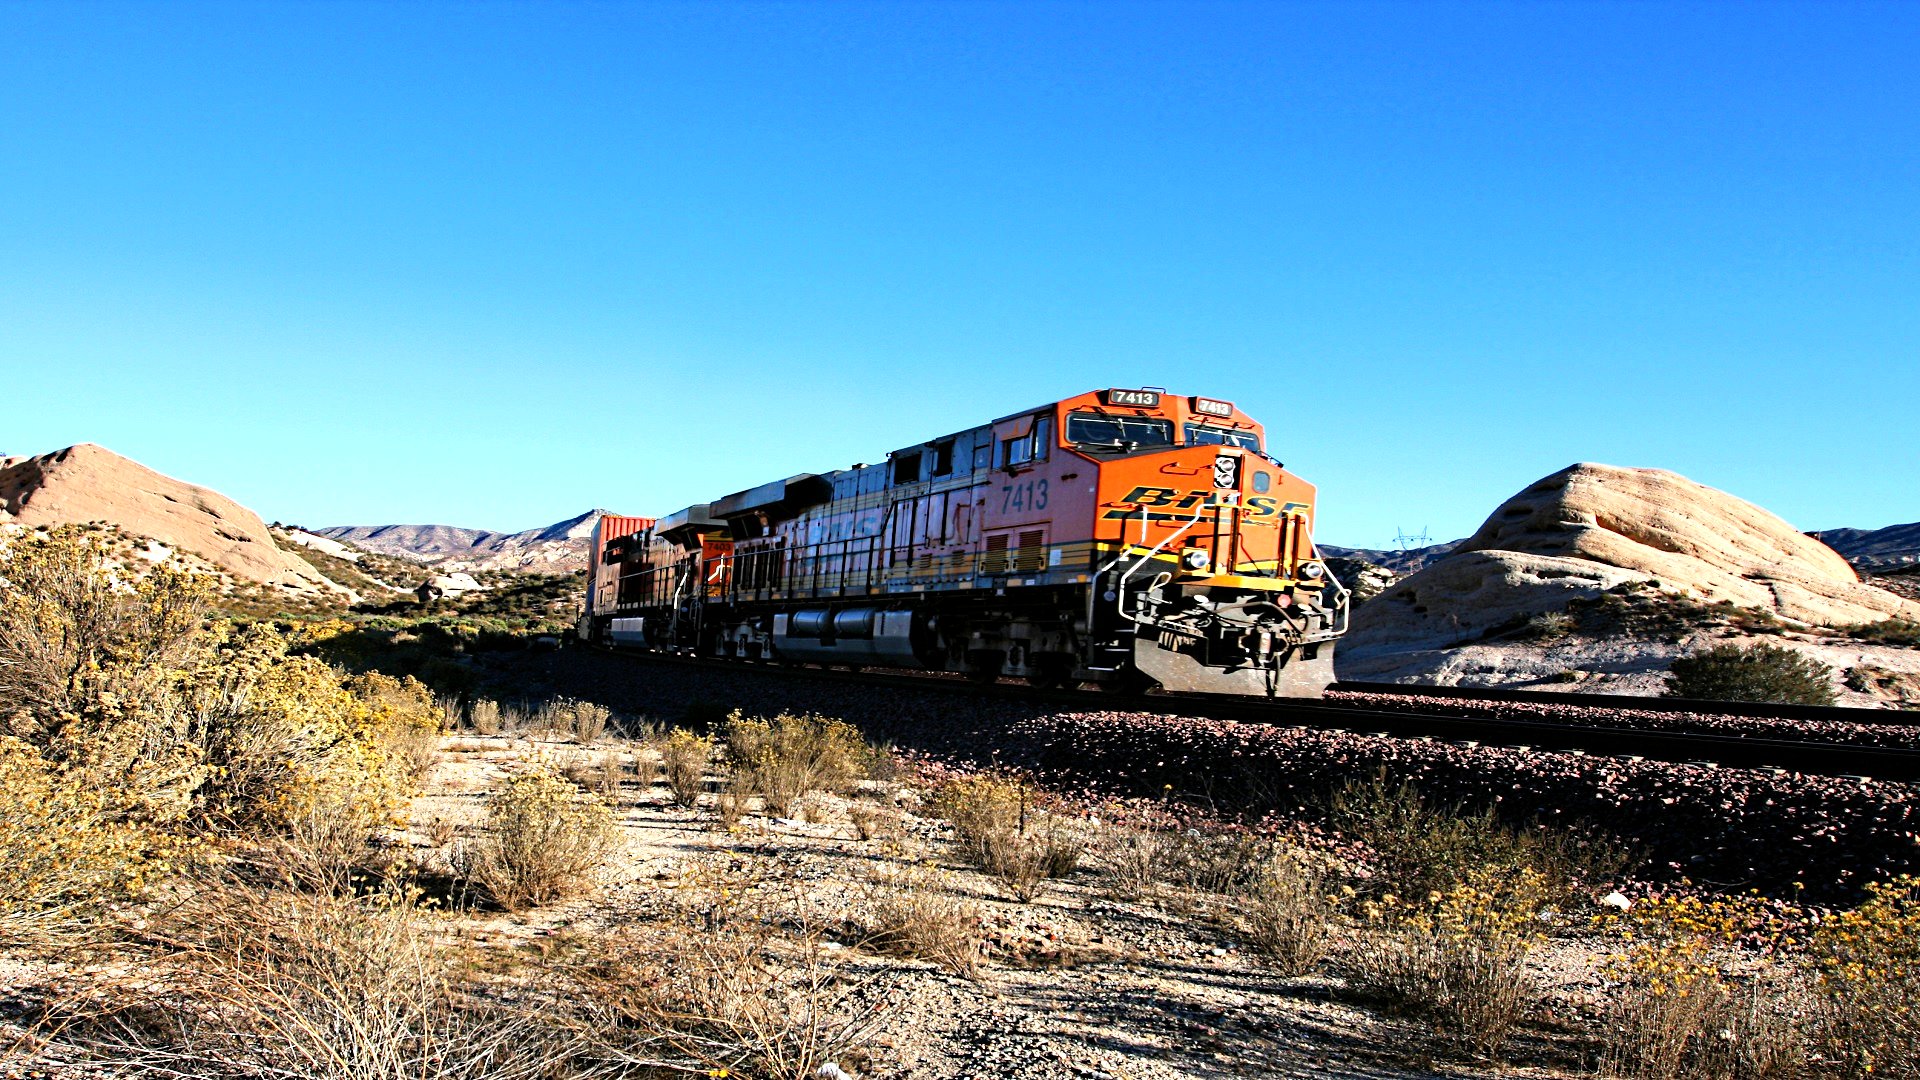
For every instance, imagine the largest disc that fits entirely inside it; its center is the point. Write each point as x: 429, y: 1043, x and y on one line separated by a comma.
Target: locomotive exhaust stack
x: 1121, y: 537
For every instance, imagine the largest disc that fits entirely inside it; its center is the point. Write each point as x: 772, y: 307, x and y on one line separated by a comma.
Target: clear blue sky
x: 494, y: 264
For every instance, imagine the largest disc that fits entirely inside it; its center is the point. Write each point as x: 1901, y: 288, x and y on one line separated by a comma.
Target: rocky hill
x: 88, y: 483
x: 1590, y: 532
x: 557, y: 548
x: 1878, y: 551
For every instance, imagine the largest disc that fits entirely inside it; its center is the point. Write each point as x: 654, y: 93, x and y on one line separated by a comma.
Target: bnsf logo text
x: 1257, y: 508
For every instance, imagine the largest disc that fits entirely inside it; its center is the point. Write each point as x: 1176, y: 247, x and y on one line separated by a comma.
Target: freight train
x: 1125, y: 537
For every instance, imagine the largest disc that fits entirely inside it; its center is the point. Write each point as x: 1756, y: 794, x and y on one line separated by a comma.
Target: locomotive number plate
x: 1210, y: 407
x: 1145, y: 399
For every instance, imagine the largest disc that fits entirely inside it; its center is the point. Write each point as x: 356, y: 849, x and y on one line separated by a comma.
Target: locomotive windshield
x: 1208, y: 435
x: 1090, y: 431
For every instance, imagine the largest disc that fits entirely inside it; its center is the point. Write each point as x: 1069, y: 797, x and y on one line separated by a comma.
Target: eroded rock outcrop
x: 88, y: 483
x: 1590, y: 528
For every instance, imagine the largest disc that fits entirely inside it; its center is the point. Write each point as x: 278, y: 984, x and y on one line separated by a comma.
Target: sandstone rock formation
x: 88, y: 483
x: 1590, y: 528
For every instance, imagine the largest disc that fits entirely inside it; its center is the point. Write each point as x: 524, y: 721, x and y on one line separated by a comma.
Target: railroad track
x: 1730, y: 751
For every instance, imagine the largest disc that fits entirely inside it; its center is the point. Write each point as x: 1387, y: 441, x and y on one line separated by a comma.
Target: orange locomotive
x: 1125, y: 537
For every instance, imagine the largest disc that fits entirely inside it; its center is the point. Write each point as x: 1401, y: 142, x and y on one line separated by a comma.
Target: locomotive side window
x: 1208, y: 435
x: 1030, y: 446
x: 906, y: 468
x: 943, y: 458
x: 1017, y: 450
x: 1090, y: 431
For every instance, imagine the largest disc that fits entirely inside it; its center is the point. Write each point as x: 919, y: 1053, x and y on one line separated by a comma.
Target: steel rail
x: 1809, y: 757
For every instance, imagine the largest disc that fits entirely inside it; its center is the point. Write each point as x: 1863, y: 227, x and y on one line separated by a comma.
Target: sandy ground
x: 1074, y: 984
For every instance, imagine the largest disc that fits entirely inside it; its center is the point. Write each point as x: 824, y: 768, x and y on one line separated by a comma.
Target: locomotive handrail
x: 1121, y: 600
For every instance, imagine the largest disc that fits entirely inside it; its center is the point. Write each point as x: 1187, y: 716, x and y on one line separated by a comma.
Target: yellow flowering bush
x: 684, y: 757
x: 1458, y: 956
x: 1868, y: 965
x: 64, y: 852
x: 791, y: 754
x: 1701, y: 990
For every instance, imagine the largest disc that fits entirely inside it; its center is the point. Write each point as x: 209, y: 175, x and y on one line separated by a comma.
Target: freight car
x: 1126, y: 537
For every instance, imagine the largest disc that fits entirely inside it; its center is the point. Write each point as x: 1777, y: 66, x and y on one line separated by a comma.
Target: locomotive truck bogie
x: 1115, y: 537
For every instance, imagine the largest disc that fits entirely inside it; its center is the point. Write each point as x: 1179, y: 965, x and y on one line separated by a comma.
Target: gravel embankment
x: 1729, y: 826
x: 1895, y: 734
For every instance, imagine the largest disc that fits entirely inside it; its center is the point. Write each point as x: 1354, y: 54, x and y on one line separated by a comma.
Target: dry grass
x: 1133, y: 861
x: 1288, y: 916
x: 260, y: 984
x: 1003, y: 834
x: 598, y: 772
x: 741, y: 984
x: 876, y: 821
x: 545, y: 842
x: 1458, y: 960
x: 911, y: 910
x: 486, y: 716
x: 1677, y: 1024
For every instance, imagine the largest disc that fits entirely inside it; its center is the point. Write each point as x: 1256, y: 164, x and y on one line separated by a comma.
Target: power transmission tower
x: 1407, y: 542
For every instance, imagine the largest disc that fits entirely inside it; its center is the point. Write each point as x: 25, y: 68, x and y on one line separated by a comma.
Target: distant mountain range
x: 1400, y: 561
x: 557, y: 548
x: 1876, y: 551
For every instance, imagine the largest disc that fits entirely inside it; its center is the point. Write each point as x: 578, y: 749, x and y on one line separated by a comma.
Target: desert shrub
x: 597, y: 772
x: 1888, y: 632
x: 484, y: 715
x: 326, y: 987
x: 1220, y: 862
x: 1288, y: 914
x: 1549, y: 626
x: 1418, y: 847
x: 590, y: 721
x: 1868, y: 965
x: 738, y: 981
x: 281, y: 730
x: 64, y: 853
x: 789, y: 755
x: 81, y: 640
x: 120, y: 685
x: 545, y: 840
x: 912, y: 910
x: 1133, y: 861
x: 1695, y: 995
x: 684, y: 758
x: 1757, y: 672
x: 1002, y: 834
x: 1456, y: 959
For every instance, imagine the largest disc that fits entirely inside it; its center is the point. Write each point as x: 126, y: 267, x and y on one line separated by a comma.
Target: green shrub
x: 1757, y: 672
x: 1888, y: 632
x: 1418, y: 848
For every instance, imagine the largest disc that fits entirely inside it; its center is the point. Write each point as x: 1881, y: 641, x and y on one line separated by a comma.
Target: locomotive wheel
x: 1051, y: 671
x: 1128, y: 681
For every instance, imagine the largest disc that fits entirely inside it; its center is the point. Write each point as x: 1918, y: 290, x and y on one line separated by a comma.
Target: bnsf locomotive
x: 1124, y: 537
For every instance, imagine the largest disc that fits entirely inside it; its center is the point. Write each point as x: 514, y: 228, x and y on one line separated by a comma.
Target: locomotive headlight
x: 1312, y: 571
x: 1194, y: 559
